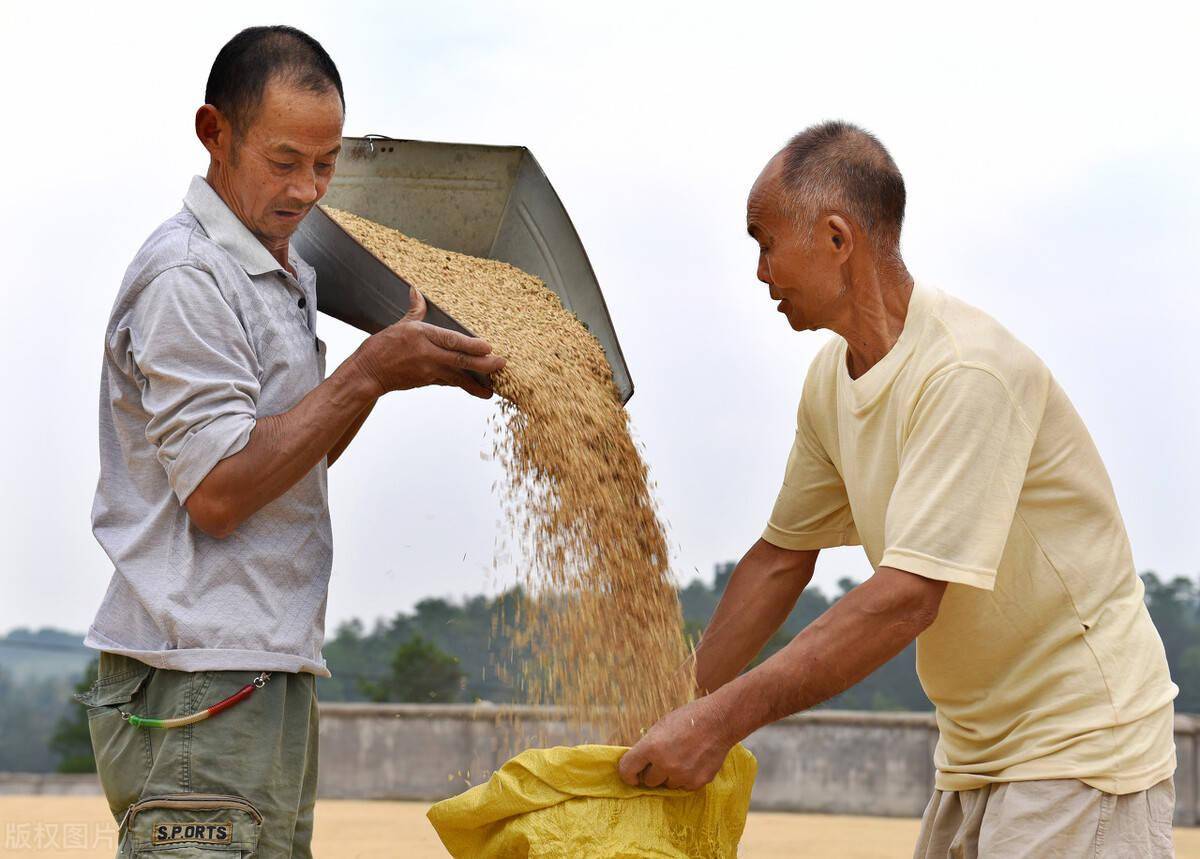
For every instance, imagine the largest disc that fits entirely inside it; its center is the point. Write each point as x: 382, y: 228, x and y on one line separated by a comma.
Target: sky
x: 1050, y: 153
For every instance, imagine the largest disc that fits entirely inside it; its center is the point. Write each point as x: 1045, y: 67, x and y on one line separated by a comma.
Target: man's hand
x: 412, y: 353
x: 684, y: 750
x: 863, y: 630
x: 283, y: 447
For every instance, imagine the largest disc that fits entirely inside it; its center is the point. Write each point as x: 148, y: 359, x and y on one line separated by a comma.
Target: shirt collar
x: 871, y: 385
x: 224, y: 228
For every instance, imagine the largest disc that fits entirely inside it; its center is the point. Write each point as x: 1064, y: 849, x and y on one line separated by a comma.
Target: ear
x: 840, y: 236
x: 214, y: 132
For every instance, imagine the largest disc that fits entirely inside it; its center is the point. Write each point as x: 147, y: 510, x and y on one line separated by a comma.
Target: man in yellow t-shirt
x: 931, y: 436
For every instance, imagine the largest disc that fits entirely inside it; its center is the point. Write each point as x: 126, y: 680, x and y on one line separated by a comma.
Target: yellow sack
x: 570, y: 802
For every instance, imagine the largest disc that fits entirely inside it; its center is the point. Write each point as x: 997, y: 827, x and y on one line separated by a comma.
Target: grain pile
x: 602, y: 619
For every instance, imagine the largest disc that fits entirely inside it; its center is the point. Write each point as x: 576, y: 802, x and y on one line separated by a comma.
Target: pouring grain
x: 602, y: 620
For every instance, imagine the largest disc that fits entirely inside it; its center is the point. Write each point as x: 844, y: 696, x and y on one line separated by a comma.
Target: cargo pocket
x: 122, y: 752
x: 181, y: 825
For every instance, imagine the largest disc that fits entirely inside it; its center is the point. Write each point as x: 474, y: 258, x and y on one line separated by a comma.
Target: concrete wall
x: 829, y: 761
x: 839, y: 762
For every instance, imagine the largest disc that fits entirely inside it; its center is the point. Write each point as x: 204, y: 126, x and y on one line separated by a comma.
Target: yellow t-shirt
x: 958, y: 457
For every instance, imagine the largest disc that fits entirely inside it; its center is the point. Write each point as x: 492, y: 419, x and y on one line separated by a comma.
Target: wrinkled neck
x: 874, y: 317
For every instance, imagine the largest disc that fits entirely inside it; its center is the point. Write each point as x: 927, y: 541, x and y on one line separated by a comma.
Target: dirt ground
x: 74, y: 827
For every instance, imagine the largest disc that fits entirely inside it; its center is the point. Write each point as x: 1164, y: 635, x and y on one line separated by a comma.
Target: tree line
x: 446, y: 651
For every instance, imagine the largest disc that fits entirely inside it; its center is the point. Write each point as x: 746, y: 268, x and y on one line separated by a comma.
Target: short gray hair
x: 838, y: 166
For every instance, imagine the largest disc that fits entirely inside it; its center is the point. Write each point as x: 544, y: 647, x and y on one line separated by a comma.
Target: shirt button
x: 303, y: 301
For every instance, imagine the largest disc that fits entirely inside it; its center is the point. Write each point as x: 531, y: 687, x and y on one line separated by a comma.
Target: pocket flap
x: 116, y: 688
x: 210, y: 821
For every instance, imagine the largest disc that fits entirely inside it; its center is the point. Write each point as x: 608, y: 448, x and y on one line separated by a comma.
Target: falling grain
x: 602, y: 620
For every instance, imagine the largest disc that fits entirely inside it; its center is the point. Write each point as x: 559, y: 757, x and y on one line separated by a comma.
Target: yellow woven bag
x: 570, y: 802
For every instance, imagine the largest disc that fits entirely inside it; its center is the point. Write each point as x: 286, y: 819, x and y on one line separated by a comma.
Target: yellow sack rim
x: 536, y: 796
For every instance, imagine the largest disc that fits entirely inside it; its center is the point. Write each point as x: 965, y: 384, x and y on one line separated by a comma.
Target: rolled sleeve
x: 962, y: 468
x: 812, y: 510
x: 223, y: 436
x: 198, y: 372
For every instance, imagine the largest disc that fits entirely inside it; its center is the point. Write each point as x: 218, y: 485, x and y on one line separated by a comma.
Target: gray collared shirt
x: 208, y: 333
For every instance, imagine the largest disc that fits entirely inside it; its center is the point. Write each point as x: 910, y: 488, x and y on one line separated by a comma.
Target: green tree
x: 71, y: 740
x: 1187, y: 677
x: 1173, y: 606
x: 29, y: 709
x: 475, y: 632
x: 422, y: 673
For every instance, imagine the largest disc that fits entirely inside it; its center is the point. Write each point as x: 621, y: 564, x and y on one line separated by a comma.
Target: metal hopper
x: 486, y: 201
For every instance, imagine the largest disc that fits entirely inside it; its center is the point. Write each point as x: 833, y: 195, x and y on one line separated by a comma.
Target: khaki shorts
x: 241, y: 783
x: 1052, y: 818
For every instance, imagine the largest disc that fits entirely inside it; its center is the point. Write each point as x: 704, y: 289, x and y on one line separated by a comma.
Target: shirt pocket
x: 182, y: 825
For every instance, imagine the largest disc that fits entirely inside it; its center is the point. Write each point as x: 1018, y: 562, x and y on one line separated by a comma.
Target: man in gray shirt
x: 217, y: 426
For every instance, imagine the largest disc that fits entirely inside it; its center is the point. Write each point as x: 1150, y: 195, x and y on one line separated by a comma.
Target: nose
x: 304, y: 189
x: 764, y: 269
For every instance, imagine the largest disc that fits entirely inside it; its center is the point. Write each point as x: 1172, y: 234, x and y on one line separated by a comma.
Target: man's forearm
x: 861, y: 632
x: 342, y: 443
x: 408, y: 354
x: 282, y: 449
x: 757, y: 600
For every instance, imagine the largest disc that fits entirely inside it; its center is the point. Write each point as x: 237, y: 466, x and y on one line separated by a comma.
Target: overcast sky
x: 1050, y: 155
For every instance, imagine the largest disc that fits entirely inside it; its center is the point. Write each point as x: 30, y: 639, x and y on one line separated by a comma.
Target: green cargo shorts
x: 241, y: 783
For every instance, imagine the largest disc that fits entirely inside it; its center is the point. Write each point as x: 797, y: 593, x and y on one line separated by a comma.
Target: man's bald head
x: 838, y: 167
